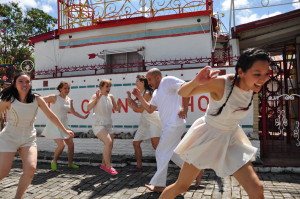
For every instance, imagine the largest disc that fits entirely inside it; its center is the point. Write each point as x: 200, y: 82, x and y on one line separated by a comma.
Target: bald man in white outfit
x: 166, y: 100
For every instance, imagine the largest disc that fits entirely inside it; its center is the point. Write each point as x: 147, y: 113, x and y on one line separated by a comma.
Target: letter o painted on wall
x: 200, y: 103
x: 82, y: 106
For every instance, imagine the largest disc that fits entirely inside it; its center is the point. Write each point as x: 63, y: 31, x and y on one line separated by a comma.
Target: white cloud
x: 247, y: 16
x: 296, y: 5
x: 47, y: 8
x: 237, y: 4
x: 28, y: 3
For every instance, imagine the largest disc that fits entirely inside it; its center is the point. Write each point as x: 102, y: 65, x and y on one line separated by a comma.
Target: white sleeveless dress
x: 149, y: 126
x: 218, y: 142
x: 102, y: 115
x: 19, y: 130
x: 61, y: 108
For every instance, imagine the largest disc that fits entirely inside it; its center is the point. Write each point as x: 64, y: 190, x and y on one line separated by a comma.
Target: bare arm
x: 116, y: 106
x: 50, y: 99
x: 183, y: 111
x: 52, y: 117
x: 94, y: 100
x: 72, y: 110
x: 204, y: 82
x: 134, y: 106
x: 4, y: 105
x: 146, y: 105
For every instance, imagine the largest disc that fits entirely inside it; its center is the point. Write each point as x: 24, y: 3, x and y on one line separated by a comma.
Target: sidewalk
x: 90, y: 182
x: 88, y: 151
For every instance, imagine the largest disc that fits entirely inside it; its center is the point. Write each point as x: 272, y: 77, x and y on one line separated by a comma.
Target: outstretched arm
x: 146, y: 105
x: 50, y: 99
x: 52, y: 117
x: 72, y: 110
x: 204, y: 82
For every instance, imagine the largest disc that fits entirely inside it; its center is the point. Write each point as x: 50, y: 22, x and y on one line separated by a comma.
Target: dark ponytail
x: 143, y: 78
x: 232, y: 86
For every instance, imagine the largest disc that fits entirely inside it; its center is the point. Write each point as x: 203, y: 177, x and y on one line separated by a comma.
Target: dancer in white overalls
x: 102, y: 102
x: 150, y: 126
x: 61, y: 105
x: 19, y: 133
x: 216, y: 140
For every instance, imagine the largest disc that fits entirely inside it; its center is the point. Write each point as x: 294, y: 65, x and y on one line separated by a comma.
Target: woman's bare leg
x: 187, y: 175
x: 6, y: 160
x: 59, y: 149
x: 107, y: 139
x: 154, y: 142
x: 69, y: 142
x: 29, y: 160
x: 248, y: 178
x: 138, y: 153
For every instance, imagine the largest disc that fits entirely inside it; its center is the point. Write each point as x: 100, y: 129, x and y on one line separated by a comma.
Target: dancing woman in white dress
x: 61, y: 104
x: 19, y: 134
x: 150, y: 126
x: 216, y: 140
x: 102, y: 103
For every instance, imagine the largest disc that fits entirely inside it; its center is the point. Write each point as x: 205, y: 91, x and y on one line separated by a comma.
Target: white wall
x: 128, y: 120
x: 48, y: 55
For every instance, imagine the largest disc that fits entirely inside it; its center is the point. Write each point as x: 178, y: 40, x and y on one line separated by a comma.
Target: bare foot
x: 154, y: 188
x: 198, y: 178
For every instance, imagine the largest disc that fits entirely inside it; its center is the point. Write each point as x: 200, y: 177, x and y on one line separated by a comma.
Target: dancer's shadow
x: 101, y: 183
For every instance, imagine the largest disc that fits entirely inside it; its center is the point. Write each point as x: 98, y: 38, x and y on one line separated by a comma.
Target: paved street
x: 91, y: 182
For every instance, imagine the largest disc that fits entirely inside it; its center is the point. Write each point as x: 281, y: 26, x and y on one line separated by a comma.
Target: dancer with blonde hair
x: 102, y: 103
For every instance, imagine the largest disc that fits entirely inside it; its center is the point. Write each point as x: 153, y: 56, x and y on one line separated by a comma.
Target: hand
x: 70, y: 133
x: 136, y: 92
x: 183, y: 113
x: 119, y: 103
x: 86, y: 116
x: 98, y: 94
x: 128, y: 94
x: 205, y: 75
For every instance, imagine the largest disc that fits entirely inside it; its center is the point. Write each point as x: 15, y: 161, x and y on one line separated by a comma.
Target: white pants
x: 169, y: 139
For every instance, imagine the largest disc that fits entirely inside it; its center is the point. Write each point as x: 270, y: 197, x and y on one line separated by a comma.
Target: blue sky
x: 220, y: 6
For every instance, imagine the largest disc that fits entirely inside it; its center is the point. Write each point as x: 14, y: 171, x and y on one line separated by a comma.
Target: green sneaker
x: 53, y: 166
x: 73, y: 166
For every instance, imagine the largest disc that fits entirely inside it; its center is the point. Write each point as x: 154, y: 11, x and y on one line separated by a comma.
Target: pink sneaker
x: 110, y: 170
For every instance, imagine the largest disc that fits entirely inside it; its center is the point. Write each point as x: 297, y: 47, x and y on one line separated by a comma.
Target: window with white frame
x: 124, y: 62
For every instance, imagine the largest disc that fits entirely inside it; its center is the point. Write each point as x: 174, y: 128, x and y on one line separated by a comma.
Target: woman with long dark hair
x: 19, y: 134
x: 150, y: 126
x: 216, y: 140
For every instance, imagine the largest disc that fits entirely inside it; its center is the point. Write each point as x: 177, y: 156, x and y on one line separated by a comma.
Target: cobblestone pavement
x: 91, y: 182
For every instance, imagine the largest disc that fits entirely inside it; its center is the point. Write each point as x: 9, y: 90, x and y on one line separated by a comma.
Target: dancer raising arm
x: 19, y: 133
x: 61, y: 105
x: 150, y: 126
x: 172, y: 112
x: 102, y: 102
x: 216, y: 140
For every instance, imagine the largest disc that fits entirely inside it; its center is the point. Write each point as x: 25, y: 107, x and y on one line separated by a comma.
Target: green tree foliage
x: 16, y: 26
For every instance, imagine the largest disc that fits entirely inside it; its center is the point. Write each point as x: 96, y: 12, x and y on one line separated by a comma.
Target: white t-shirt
x: 168, y: 102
